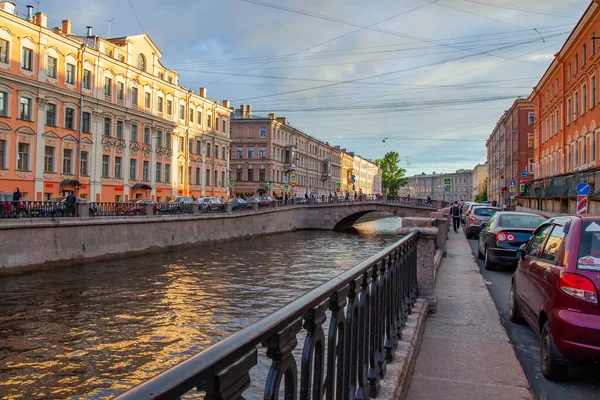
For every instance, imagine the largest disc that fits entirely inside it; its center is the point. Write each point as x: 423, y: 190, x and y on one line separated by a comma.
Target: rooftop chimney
x: 249, y: 110
x: 66, y: 27
x: 89, y: 31
x: 7, y: 6
x: 271, y: 116
x: 226, y: 103
x: 283, y: 120
x: 243, y: 110
x: 202, y: 92
x: 41, y: 19
x: 57, y: 29
x: 29, y: 13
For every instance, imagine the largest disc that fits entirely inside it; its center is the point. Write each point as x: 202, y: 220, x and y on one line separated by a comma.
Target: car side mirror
x: 522, y: 250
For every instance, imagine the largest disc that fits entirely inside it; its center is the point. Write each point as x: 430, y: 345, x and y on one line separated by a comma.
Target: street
x: 582, y: 383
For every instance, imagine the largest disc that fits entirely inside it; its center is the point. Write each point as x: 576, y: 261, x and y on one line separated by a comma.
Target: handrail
x: 377, y: 296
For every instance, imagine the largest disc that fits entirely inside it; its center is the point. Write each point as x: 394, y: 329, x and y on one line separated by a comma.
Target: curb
x: 399, y: 372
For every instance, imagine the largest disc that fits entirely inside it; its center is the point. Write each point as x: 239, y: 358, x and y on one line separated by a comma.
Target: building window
x: 207, y: 176
x: 215, y: 182
x: 70, y: 74
x: 569, y: 72
x: 168, y: 139
x: 593, y: 102
x: 238, y: 153
x: 198, y: 176
x: 134, y: 96
x: 199, y: 117
x: 85, y: 122
x: 238, y: 174
x: 216, y: 151
x: 134, y: 133
x: 224, y: 153
x: 209, y: 121
x: 159, y: 104
x: 576, y: 159
x: 51, y: 69
x: 69, y: 118
x: 120, y: 90
x: 133, y: 169
x: 169, y: 107
x: 25, y: 109
x: 107, y: 86
x: 51, y: 114
x: 569, y: 112
x: 23, y: 157
x: 167, y: 172
x: 26, y: 58
x: 181, y: 111
x: 250, y: 152
x: 263, y: 133
x: 145, y: 171
x: 105, y: 166
x: 146, y: 99
x: 141, y: 62
x: 3, y: 104
x: 576, y: 63
x: 191, y: 146
x: 223, y: 183
x: 576, y: 111
x: 250, y: 177
x: 224, y: 126
x: 161, y: 75
x: 87, y: 79
x: 146, y: 135
x: 584, y: 54
x: 207, y: 154
x: 216, y: 123
x: 67, y: 161
x: 158, y: 172
x: 531, y: 119
x: 584, y: 99
x: 2, y: 154
x: 3, y: 51
x: 198, y: 147
x: 261, y: 175
x: 262, y: 152
x: 107, y: 127
x: 159, y: 138
x: 118, y: 166
x: 83, y: 163
x: 49, y: 159
x: 119, y: 133
x: 191, y: 116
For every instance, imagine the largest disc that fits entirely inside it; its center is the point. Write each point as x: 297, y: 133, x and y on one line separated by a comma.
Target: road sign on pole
x: 522, y: 187
x: 524, y: 174
x: 583, y: 189
x: 231, y: 182
x: 286, y: 187
x: 582, y: 204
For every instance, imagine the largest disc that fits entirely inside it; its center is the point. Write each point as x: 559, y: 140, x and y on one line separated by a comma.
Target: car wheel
x: 479, y: 253
x: 514, y: 311
x: 488, y: 265
x: 552, y: 369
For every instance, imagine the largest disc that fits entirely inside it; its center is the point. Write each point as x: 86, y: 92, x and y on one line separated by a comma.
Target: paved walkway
x: 465, y: 352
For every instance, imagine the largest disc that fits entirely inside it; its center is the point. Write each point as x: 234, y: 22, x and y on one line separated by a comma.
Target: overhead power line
x: 522, y: 9
x: 136, y: 17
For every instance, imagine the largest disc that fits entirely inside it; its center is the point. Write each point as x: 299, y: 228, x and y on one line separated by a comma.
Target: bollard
x: 149, y: 207
x: 83, y: 209
x: 275, y: 204
x: 255, y: 206
x: 229, y: 208
x: 196, y: 208
x: 442, y: 224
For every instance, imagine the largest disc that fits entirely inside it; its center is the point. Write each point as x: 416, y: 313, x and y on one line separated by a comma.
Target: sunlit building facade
x: 102, y: 118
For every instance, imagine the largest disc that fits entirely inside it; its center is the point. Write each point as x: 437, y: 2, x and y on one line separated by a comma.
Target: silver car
x: 476, y: 220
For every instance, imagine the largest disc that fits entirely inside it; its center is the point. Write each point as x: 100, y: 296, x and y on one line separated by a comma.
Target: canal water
x: 89, y: 332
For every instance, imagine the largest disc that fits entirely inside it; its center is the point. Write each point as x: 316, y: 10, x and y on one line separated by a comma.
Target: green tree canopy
x: 392, y: 176
x: 484, y: 193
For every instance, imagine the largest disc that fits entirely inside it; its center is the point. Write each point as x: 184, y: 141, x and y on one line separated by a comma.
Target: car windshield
x: 485, y: 212
x: 589, y: 246
x: 520, y: 221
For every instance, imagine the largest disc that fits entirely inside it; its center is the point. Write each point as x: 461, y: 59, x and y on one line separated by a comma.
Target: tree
x: 392, y: 176
x: 482, y: 196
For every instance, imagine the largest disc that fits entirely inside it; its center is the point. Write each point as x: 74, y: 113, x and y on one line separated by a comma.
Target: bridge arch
x: 342, y: 216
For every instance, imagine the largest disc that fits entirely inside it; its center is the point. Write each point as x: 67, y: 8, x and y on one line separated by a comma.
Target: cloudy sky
x: 428, y: 79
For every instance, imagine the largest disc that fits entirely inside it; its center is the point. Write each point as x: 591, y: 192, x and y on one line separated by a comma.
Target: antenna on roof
x: 109, y: 21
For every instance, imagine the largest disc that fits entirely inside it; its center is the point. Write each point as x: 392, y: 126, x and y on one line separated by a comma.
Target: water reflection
x: 92, y: 331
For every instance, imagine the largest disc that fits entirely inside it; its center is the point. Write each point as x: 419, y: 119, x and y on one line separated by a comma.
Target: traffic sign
x: 583, y: 189
x: 447, y: 181
x: 522, y: 188
x: 512, y: 183
x: 338, y: 189
x: 338, y: 185
x: 286, y: 187
x: 231, y: 182
x: 524, y: 174
x: 267, y: 185
x: 293, y: 179
x: 268, y: 180
x: 582, y: 204
x: 523, y: 180
x: 512, y: 188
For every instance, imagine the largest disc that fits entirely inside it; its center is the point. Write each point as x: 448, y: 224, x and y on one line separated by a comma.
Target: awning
x: 141, y: 186
x: 69, y: 182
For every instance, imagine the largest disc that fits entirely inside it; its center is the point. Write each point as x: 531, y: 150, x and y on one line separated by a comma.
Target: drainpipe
x: 80, y: 130
x: 186, y: 147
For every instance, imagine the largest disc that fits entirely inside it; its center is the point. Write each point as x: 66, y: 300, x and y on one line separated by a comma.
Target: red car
x: 137, y: 207
x: 555, y: 289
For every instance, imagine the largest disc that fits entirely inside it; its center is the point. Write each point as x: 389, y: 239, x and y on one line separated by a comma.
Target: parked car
x: 137, y: 207
x: 264, y: 201
x: 238, y: 204
x: 212, y: 204
x: 467, y: 210
x: 477, y: 220
x: 555, y: 289
x: 302, y: 200
x: 176, y: 204
x: 503, y: 235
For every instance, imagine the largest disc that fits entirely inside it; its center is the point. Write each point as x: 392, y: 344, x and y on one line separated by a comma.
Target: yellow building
x: 102, y: 117
x: 347, y: 170
x: 480, y: 178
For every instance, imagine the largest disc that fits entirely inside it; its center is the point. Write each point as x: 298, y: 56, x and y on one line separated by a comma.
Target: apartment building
x: 103, y: 118
x: 445, y: 187
x: 480, y: 179
x: 268, y: 154
x: 510, y: 152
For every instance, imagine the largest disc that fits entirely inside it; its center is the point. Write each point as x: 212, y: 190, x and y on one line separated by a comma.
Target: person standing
x: 455, y: 212
x: 71, y: 201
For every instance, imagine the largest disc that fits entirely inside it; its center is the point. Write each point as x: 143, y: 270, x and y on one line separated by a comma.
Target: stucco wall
x: 36, y: 244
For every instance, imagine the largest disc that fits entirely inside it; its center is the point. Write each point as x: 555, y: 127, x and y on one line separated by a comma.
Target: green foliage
x: 481, y: 197
x: 392, y: 176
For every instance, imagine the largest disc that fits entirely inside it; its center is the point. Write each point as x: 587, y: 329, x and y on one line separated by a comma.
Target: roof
x: 238, y: 116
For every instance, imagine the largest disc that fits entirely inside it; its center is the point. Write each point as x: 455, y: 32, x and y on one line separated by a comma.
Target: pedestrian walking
x: 455, y: 212
x: 71, y: 201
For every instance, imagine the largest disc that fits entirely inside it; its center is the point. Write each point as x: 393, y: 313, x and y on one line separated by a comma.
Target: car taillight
x: 578, y: 286
x: 472, y: 219
x: 503, y: 237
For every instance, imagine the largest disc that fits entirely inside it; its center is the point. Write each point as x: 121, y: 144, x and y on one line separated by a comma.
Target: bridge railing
x: 351, y: 324
x: 417, y: 202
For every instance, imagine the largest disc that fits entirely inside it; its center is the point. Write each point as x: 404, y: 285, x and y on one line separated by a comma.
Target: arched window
x: 141, y: 62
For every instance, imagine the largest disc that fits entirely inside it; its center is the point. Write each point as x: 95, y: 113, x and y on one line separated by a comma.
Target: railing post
x: 83, y: 209
x: 149, y: 207
x: 275, y: 204
x: 442, y: 222
x: 255, y: 206
x: 229, y: 208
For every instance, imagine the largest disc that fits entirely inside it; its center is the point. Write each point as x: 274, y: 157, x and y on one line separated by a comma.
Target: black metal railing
x: 37, y: 209
x: 417, y: 202
x: 113, y: 209
x: 364, y: 311
x: 175, y: 208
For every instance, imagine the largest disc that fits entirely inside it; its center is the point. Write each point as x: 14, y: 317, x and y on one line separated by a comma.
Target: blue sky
x: 428, y: 79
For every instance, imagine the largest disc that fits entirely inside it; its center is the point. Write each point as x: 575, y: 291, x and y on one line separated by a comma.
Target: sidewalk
x: 465, y: 353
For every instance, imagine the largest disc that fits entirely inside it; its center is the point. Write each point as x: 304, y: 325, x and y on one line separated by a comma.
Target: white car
x: 212, y: 204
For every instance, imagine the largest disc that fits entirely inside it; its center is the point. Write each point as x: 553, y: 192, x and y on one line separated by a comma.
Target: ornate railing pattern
x: 175, y: 208
x: 112, y: 209
x: 36, y: 209
x: 367, y: 308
